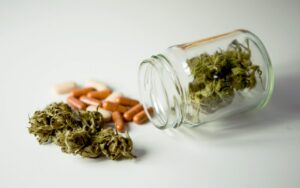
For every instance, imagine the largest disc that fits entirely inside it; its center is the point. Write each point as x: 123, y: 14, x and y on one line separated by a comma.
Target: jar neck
x: 159, y: 88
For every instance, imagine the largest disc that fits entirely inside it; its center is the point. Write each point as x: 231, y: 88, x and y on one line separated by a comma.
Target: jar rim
x: 270, y: 78
x: 160, y: 89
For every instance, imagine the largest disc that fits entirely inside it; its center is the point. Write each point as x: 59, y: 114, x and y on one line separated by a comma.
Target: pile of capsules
x: 96, y: 96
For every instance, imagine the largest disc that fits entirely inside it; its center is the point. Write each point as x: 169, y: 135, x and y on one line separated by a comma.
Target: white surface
x: 51, y: 41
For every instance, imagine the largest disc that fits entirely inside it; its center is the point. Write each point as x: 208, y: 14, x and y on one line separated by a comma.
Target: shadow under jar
x: 201, y: 81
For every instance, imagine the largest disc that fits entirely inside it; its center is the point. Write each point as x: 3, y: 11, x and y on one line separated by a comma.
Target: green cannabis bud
x: 79, y: 132
x: 217, y: 77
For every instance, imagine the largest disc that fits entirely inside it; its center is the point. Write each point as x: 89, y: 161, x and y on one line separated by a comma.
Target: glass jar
x: 201, y: 81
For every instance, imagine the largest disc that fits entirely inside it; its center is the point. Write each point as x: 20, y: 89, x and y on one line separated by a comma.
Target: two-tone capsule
x: 99, y: 94
x: 74, y: 102
x: 90, y: 101
x: 132, y: 112
x: 126, y: 101
x: 81, y: 91
x: 112, y: 97
x: 96, y: 84
x: 64, y: 88
x: 119, y: 122
x: 107, y: 105
x: 142, y: 117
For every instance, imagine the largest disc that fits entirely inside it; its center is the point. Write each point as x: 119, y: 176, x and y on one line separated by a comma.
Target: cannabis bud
x: 79, y: 132
x: 217, y: 77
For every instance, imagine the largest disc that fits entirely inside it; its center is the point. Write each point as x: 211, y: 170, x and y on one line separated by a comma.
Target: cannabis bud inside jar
x: 204, y: 80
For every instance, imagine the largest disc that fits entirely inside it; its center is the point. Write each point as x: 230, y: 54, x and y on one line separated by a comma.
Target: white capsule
x: 112, y: 97
x: 64, y: 88
x: 96, y: 84
x: 105, y: 113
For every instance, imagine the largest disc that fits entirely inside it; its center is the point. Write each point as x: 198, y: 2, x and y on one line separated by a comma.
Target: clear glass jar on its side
x: 201, y: 81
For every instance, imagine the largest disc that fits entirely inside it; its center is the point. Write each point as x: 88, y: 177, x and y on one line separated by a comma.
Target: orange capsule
x: 132, y: 111
x: 90, y: 101
x: 119, y: 122
x: 126, y: 101
x: 141, y: 117
x: 99, y: 94
x: 81, y: 91
x: 107, y: 105
x: 74, y: 102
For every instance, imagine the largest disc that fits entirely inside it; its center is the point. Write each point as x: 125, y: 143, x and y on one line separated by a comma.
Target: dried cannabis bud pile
x: 217, y: 77
x: 79, y: 132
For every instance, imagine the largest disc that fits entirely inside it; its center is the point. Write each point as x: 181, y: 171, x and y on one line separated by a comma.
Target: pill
x: 99, y: 94
x: 96, y: 84
x: 81, y: 91
x: 112, y: 97
x: 105, y: 113
x: 141, y: 117
x: 64, y: 88
x: 119, y: 122
x: 90, y: 101
x: 74, y: 102
x: 132, y: 111
x: 107, y: 105
x: 126, y: 101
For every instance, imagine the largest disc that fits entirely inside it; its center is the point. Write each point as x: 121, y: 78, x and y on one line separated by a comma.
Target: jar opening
x: 160, y: 89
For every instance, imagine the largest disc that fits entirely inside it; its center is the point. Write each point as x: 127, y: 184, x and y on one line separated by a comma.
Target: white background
x: 43, y: 42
